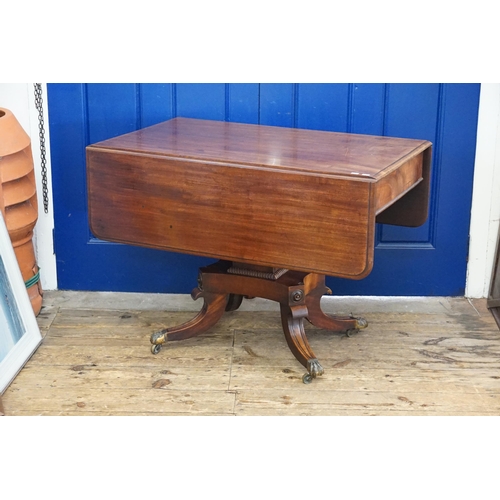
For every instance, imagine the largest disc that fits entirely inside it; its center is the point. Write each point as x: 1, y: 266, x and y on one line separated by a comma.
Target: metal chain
x: 43, y: 160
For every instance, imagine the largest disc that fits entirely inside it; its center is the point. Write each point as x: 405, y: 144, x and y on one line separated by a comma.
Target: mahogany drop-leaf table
x: 279, y: 208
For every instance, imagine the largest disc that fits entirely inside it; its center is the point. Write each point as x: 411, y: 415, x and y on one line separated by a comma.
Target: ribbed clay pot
x: 18, y: 200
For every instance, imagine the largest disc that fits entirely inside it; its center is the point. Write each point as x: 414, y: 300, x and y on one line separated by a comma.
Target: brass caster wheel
x: 315, y: 370
x: 361, y: 323
x: 351, y: 332
x: 156, y: 348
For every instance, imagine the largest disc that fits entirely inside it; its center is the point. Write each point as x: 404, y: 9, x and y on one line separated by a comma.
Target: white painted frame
x: 16, y: 352
x: 485, y: 212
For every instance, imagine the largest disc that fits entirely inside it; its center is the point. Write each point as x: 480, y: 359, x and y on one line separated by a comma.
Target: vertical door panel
x: 324, y: 106
x: 277, y: 104
x: 368, y: 108
x: 201, y: 100
x: 243, y: 102
x: 157, y: 103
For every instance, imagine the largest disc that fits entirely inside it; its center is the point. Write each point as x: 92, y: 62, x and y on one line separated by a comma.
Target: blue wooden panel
x: 277, y: 104
x: 411, y: 111
x: 111, y: 110
x: 243, y: 102
x: 201, y: 100
x: 368, y: 108
x: 456, y: 153
x: 323, y: 106
x: 68, y: 122
x: 421, y: 261
x: 157, y: 103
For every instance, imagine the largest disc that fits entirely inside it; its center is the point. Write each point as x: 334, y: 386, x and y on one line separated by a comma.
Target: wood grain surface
x: 428, y: 360
x: 291, y: 198
x: 277, y: 148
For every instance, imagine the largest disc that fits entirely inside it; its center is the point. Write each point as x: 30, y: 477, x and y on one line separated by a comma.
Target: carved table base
x: 223, y: 286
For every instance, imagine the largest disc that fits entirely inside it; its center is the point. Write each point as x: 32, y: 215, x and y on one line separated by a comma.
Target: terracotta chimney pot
x: 18, y: 200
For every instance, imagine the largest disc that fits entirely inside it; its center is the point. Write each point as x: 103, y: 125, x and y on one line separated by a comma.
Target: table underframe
x: 224, y: 284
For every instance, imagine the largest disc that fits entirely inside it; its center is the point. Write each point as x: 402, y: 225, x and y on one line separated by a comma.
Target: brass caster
x: 315, y: 370
x: 158, y: 337
x: 156, y: 348
x: 361, y: 323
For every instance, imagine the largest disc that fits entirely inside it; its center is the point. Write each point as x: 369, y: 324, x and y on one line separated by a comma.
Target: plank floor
x: 435, y: 356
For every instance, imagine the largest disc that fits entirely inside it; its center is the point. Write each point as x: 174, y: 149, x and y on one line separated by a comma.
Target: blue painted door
x: 430, y: 260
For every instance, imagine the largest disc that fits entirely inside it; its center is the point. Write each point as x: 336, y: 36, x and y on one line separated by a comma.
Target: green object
x: 33, y: 281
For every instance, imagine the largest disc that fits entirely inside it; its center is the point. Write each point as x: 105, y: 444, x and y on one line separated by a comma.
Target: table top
x: 272, y: 196
x: 288, y: 149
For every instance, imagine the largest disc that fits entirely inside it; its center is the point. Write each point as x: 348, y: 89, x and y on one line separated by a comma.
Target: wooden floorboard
x: 97, y: 361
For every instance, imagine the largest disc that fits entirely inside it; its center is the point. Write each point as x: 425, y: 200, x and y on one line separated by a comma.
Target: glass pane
x: 12, y: 327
